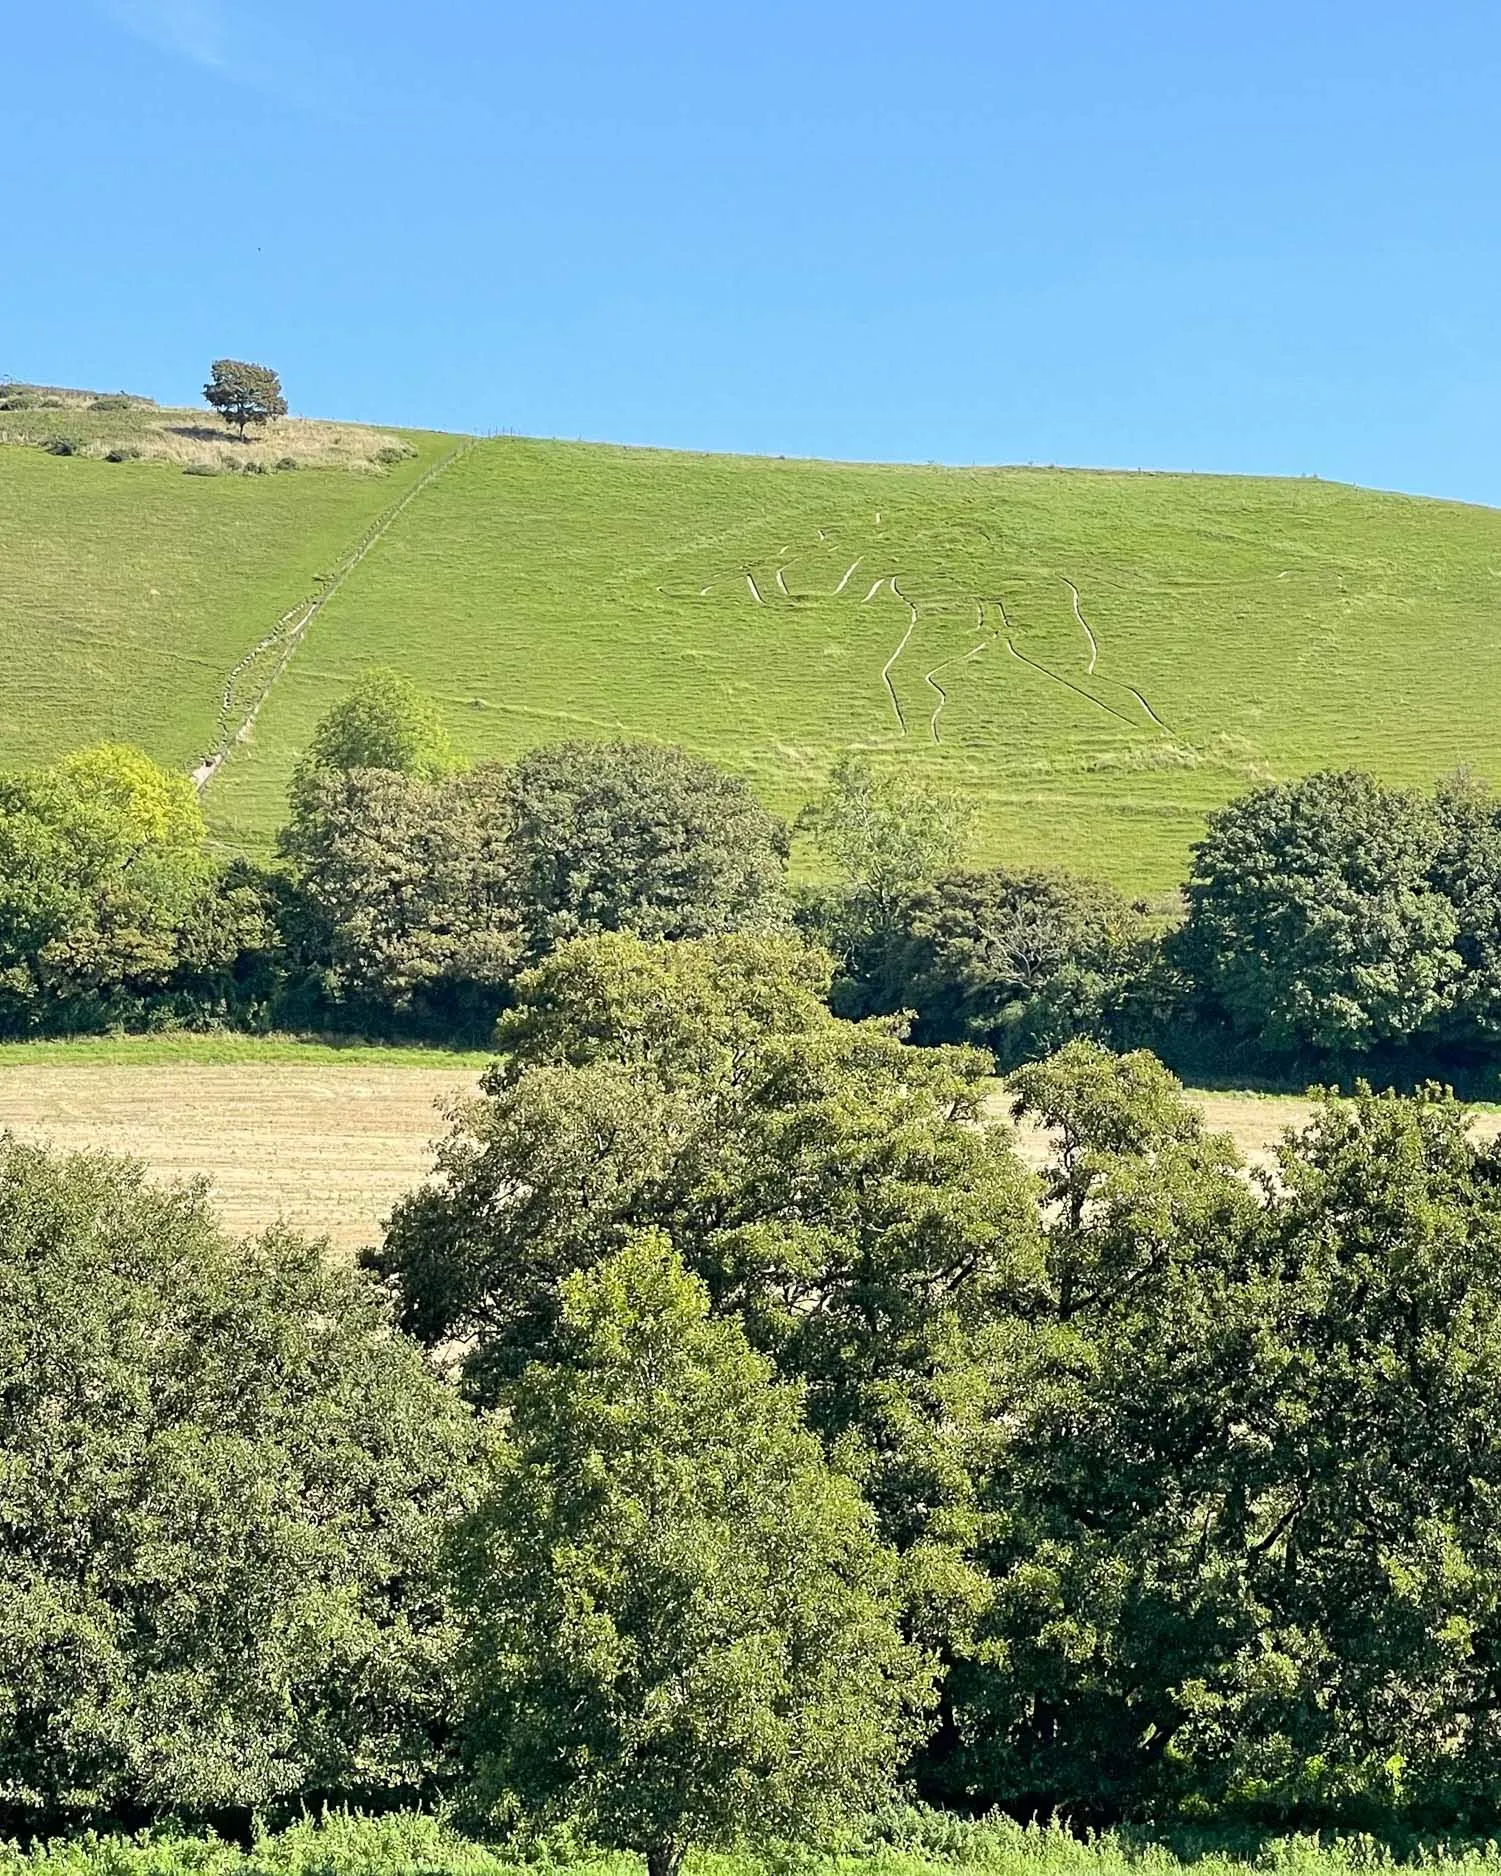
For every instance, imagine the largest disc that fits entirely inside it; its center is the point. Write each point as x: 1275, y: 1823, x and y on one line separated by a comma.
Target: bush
x: 112, y: 401
x: 200, y: 469
x: 640, y: 837
x: 1018, y: 962
x: 62, y: 445
x: 224, y: 1486
x: 123, y: 452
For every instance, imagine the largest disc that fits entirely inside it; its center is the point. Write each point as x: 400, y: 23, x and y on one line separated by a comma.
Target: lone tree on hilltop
x: 244, y: 394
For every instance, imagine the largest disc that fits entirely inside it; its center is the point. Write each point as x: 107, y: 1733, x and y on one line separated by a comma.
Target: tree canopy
x: 640, y: 837
x: 682, y: 1626
x: 1017, y: 962
x: 836, y: 1189
x: 103, y: 870
x: 385, y: 722
x: 223, y: 1484
x: 244, y: 394
x: 1315, y: 918
x: 405, y: 906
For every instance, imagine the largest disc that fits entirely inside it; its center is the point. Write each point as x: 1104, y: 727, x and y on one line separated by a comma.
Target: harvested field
x: 330, y: 1147
x: 1255, y: 1122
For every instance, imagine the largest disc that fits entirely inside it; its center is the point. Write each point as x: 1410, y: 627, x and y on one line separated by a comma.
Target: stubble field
x: 329, y: 1140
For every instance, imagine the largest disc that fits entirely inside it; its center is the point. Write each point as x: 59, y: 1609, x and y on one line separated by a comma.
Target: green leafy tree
x: 1315, y: 921
x: 244, y: 394
x: 1243, y: 1532
x: 1467, y: 871
x: 644, y: 838
x: 384, y: 723
x: 102, y: 863
x: 224, y: 1482
x: 682, y: 1627
x: 838, y: 1191
x: 1017, y: 962
x: 886, y: 831
x: 405, y: 900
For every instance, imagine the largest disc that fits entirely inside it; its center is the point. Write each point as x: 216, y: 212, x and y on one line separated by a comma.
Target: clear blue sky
x: 1260, y: 237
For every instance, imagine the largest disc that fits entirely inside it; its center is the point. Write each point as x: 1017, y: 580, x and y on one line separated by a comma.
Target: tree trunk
x: 665, y: 1858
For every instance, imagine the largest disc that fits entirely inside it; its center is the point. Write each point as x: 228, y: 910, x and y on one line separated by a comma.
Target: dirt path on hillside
x: 292, y: 628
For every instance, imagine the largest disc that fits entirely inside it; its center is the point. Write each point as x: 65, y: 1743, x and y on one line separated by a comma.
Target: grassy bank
x: 419, y: 1846
x: 188, y: 1049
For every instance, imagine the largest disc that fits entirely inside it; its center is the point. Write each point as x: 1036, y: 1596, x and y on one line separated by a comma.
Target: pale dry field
x: 1255, y: 1122
x: 330, y: 1149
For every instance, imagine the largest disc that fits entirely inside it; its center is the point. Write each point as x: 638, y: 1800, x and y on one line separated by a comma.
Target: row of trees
x: 734, y: 1423
x: 1325, y: 924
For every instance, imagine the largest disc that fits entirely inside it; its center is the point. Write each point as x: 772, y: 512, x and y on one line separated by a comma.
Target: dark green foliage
x: 1017, y: 962
x: 835, y: 1188
x: 223, y: 1482
x: 640, y: 837
x: 681, y: 1624
x: 244, y: 394
x: 1245, y: 1537
x: 1467, y: 871
x: 404, y: 906
x: 1316, y: 918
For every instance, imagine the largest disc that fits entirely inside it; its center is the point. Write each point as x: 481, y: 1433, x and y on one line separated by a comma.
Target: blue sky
x: 1261, y: 238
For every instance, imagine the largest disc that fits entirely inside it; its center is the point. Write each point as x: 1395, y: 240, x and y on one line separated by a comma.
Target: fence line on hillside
x: 291, y: 628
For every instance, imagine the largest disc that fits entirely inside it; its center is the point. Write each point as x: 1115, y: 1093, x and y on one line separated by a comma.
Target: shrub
x: 112, y: 401
x: 62, y: 445
x: 641, y: 837
x: 224, y: 1485
x: 682, y: 1626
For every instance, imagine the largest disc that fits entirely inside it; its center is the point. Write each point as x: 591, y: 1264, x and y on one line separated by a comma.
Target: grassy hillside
x: 1232, y: 629
x: 129, y: 590
x: 771, y: 613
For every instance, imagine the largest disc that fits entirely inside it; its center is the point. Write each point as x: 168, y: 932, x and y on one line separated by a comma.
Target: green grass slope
x: 769, y: 614
x: 128, y: 591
